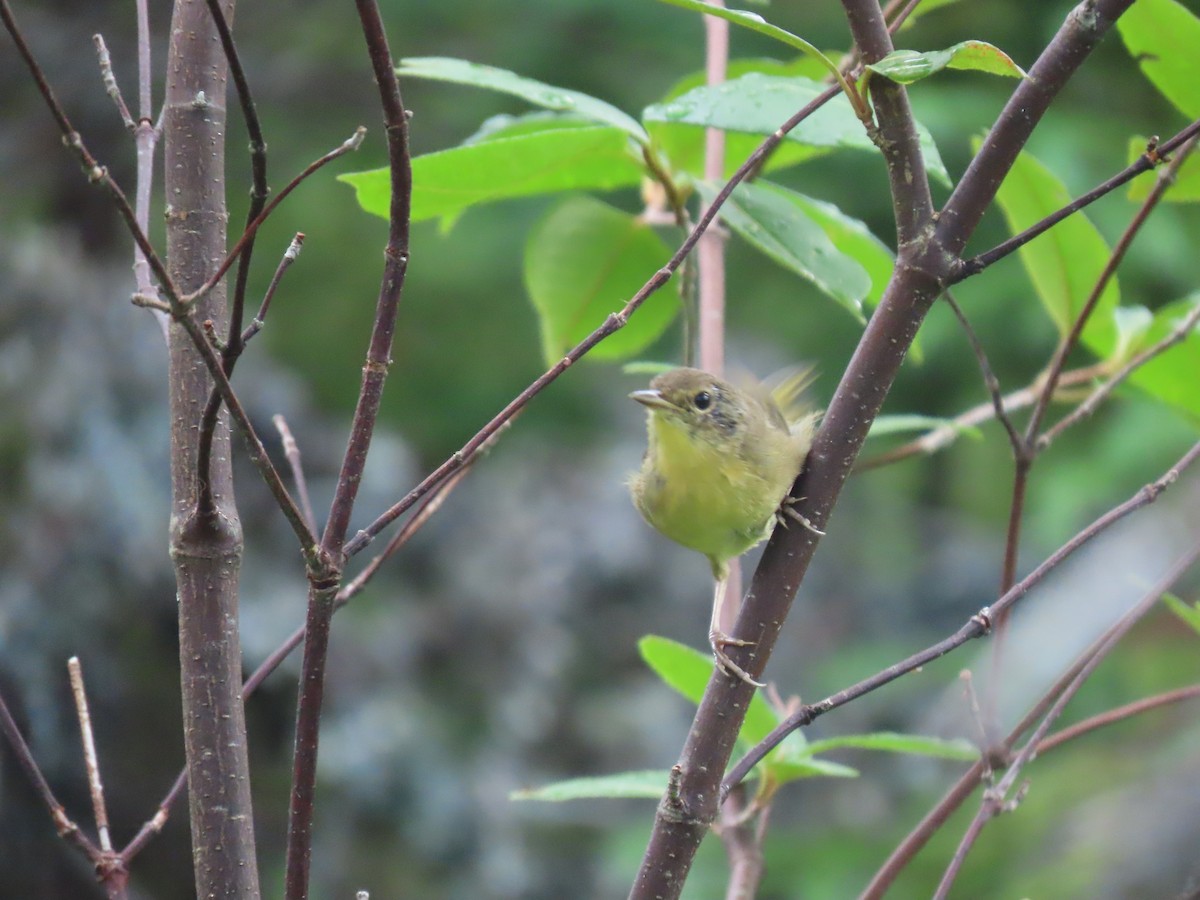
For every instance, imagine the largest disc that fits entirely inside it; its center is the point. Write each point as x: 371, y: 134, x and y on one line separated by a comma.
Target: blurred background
x: 498, y: 650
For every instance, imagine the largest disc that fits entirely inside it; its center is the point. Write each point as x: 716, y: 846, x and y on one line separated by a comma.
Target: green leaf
x: 755, y: 22
x: 505, y: 125
x: 783, y: 771
x: 1173, y: 375
x: 855, y: 240
x: 759, y: 104
x: 893, y: 742
x: 641, y: 785
x: 447, y: 182
x: 1064, y: 262
x: 1189, y: 614
x: 583, y: 261
x: 1185, y: 189
x: 1132, y: 323
x: 683, y: 145
x: 647, y: 367
x: 1162, y: 36
x: 687, y: 671
x: 904, y: 423
x: 769, y: 218
x: 459, y: 71
x: 908, y: 66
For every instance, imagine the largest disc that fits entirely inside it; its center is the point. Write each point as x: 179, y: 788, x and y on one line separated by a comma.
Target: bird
x: 720, y: 462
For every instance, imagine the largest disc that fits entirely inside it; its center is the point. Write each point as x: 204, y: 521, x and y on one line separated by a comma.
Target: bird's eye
x: 702, y: 400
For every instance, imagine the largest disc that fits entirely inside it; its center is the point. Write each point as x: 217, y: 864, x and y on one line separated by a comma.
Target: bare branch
x: 996, y: 800
x: 977, y: 626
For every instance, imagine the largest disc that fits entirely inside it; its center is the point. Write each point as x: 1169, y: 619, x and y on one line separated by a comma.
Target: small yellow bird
x: 719, y: 464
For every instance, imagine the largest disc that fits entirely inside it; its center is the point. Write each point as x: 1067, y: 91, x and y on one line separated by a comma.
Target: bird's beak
x: 652, y: 399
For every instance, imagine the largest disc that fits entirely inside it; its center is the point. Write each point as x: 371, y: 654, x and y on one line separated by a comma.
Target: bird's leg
x: 787, y: 510
x: 719, y: 640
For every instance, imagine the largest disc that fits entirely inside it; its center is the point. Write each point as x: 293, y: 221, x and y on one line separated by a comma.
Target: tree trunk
x: 206, y: 537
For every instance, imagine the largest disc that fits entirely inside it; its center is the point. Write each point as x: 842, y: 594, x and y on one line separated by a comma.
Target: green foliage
x: 1162, y: 36
x: 1188, y: 613
x: 687, y: 672
x: 583, y: 261
x: 1065, y: 262
x: 910, y: 66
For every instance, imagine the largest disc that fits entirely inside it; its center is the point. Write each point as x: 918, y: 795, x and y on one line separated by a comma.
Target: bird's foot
x: 787, y: 510
x: 719, y: 641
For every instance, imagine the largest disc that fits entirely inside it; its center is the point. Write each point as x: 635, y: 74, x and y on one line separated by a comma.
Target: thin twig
x: 1144, y: 163
x: 1088, y: 406
x: 944, y: 435
x: 95, y: 785
x: 1120, y: 714
x: 429, y: 505
x: 351, y: 143
x: 63, y: 824
x: 289, y: 256
x: 1165, y: 179
x: 977, y: 626
x: 110, y: 81
x: 291, y: 450
x: 990, y: 381
x: 996, y: 800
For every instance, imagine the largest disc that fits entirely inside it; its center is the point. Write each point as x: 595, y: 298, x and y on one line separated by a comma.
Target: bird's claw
x: 719, y: 641
x: 787, y: 510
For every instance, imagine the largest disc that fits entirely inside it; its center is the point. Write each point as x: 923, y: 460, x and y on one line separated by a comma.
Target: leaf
x: 852, y: 237
x: 905, y: 423
x: 759, y: 104
x: 909, y: 66
x: 783, y: 771
x: 1132, y: 322
x: 687, y: 671
x: 1189, y: 614
x: 459, y: 71
x: 1162, y: 36
x: 755, y: 22
x: 1064, y: 262
x: 1172, y: 376
x: 893, y: 742
x: 449, y: 181
x: 1186, y: 187
x: 641, y: 785
x: 583, y: 261
x: 683, y: 145
x: 768, y: 218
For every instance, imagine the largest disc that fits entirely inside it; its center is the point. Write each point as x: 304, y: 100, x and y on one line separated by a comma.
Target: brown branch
x: 1165, y: 179
x: 1088, y: 406
x: 351, y: 143
x: 997, y: 799
x: 291, y: 451
x: 290, y: 255
x: 1119, y: 714
x: 323, y: 586
x: 1144, y: 163
x: 944, y: 435
x: 977, y: 626
x: 63, y: 824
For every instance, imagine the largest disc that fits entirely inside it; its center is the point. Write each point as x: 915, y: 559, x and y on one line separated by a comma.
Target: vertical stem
x: 206, y: 547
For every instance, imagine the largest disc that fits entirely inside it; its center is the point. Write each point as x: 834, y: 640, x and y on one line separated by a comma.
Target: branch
x: 994, y: 801
x: 975, y: 627
x: 1165, y: 179
x: 323, y: 587
x: 1085, y: 25
x: 1143, y: 163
